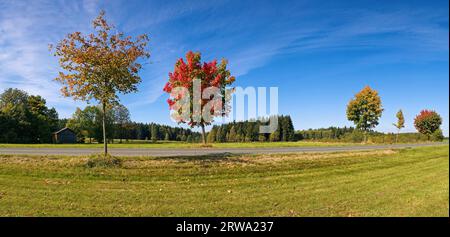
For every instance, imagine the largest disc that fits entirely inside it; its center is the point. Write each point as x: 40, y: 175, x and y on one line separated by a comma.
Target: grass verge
x: 188, y: 145
x: 408, y: 182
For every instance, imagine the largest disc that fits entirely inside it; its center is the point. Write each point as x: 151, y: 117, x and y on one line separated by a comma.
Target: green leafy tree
x: 154, y: 133
x: 262, y: 137
x: 89, y: 123
x: 275, y: 136
x: 121, y: 118
x: 212, y: 135
x: 232, y: 135
x: 219, y: 135
x: 223, y: 133
x: 13, y: 99
x: 365, y: 109
x: 189, y: 139
x: 42, y: 120
x: 7, y: 135
x: 27, y: 118
x: 250, y: 134
x: 287, y: 128
x: 78, y: 126
x: 14, y: 106
x: 100, y: 65
x: 437, y: 135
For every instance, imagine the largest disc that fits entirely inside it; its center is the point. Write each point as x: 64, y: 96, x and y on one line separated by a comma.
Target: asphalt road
x: 166, y: 152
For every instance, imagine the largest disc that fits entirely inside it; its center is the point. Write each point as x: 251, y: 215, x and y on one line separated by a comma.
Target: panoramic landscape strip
x: 210, y: 110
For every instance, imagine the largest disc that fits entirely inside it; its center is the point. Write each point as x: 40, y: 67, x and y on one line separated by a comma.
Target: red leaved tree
x: 427, y: 122
x: 190, y: 90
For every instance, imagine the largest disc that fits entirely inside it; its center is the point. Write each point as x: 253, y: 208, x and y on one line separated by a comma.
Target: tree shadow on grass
x: 206, y: 159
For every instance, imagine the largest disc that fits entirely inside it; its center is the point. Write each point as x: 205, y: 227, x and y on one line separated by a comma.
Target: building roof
x: 64, y: 129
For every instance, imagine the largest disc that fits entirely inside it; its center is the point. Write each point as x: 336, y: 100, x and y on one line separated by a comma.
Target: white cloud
x: 91, y: 6
x: 26, y: 30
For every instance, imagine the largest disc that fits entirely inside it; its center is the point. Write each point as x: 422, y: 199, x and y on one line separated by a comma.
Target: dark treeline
x: 350, y: 134
x: 87, y: 123
x: 248, y: 131
x: 143, y: 131
x: 153, y: 132
x: 27, y: 119
x: 167, y: 133
x: 331, y: 133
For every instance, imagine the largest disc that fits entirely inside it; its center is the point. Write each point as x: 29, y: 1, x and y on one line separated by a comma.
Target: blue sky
x: 318, y: 53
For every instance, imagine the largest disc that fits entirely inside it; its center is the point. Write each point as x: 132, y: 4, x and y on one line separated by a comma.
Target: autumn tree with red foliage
x: 427, y: 122
x: 209, y: 75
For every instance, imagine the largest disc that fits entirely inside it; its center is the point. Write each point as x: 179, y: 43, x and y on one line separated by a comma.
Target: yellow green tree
x: 365, y: 109
x: 100, y: 65
x: 400, y: 123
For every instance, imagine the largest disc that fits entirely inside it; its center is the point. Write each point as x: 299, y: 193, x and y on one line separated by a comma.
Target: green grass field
x: 177, y: 145
x: 164, y: 144
x: 409, y: 182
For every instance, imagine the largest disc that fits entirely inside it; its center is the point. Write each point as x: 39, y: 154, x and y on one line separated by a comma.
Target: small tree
x: 219, y: 135
x: 275, y: 136
x: 212, y: 135
x: 427, y: 122
x: 167, y: 137
x: 82, y: 122
x: 121, y: 118
x: 100, y: 65
x: 400, y: 123
x: 232, y: 135
x: 365, y: 109
x: 89, y: 123
x: 210, y: 75
x: 154, y: 133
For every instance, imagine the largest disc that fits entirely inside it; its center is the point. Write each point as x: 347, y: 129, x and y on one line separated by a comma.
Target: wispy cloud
x: 91, y: 6
x: 248, y: 38
x: 27, y: 27
x: 398, y: 29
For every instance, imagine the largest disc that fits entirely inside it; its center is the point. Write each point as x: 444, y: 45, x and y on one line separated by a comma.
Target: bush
x: 102, y: 161
x: 355, y: 136
x: 437, y: 136
x: 382, y: 138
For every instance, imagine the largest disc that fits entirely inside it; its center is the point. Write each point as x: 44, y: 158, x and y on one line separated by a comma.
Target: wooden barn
x: 65, y: 135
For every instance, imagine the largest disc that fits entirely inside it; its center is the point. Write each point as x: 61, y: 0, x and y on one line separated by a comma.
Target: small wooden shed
x: 65, y: 135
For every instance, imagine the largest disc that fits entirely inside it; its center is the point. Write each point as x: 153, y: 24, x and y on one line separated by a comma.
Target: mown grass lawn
x: 175, y: 144
x: 409, y: 182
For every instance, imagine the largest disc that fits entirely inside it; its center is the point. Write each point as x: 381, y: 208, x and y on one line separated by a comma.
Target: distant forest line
x: 27, y: 119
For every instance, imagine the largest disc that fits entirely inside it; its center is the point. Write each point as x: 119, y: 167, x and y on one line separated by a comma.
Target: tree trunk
x: 203, y: 134
x: 105, y: 140
x: 121, y: 133
x: 396, y: 138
